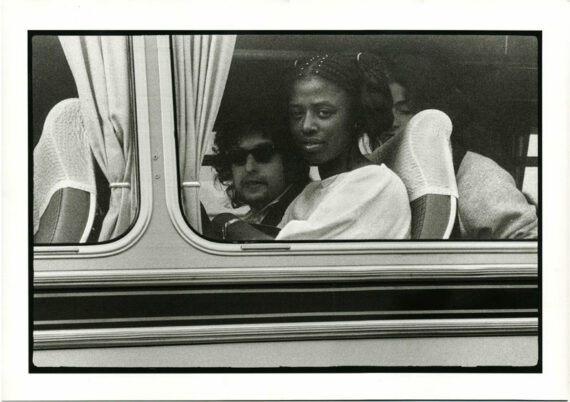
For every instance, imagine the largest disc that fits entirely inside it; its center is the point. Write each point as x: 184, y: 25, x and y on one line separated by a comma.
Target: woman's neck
x: 345, y: 162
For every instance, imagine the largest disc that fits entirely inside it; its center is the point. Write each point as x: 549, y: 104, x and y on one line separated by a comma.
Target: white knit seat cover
x: 421, y: 155
x: 62, y: 158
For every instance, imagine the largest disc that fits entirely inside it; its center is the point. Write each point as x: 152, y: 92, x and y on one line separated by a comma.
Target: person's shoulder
x: 385, y: 186
x: 371, y: 171
x: 490, y: 205
x: 384, y: 173
x: 364, y: 174
x: 472, y: 156
x: 478, y: 170
x: 474, y: 160
x: 312, y: 190
x: 379, y: 177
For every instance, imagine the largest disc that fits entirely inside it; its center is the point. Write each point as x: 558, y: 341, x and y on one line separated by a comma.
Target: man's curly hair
x: 272, y: 126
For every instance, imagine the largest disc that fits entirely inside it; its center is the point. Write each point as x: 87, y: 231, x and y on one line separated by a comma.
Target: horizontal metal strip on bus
x: 191, y: 276
x: 179, y: 335
x: 295, y: 288
x: 281, y: 318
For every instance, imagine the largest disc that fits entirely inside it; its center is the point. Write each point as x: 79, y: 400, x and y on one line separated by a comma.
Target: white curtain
x: 101, y: 67
x: 201, y: 67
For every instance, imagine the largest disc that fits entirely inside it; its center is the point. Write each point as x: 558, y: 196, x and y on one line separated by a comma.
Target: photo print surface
x: 285, y: 201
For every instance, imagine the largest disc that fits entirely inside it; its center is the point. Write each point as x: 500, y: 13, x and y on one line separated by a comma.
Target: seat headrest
x: 421, y: 155
x: 62, y: 157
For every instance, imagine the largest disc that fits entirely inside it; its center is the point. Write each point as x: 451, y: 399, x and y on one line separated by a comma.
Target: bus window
x: 530, y: 168
x: 250, y: 103
x: 84, y: 134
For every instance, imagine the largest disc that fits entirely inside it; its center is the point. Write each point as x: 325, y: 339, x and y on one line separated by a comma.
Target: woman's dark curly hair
x: 429, y: 84
x: 362, y: 76
x: 273, y: 126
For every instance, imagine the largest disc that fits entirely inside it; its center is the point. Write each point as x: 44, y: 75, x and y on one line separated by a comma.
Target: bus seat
x: 68, y: 217
x: 64, y: 178
x: 421, y: 156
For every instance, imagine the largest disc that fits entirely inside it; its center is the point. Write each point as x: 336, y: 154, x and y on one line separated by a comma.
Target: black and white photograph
x: 323, y: 189
x: 334, y: 201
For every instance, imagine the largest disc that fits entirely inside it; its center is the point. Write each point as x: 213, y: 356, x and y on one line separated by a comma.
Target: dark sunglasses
x: 262, y: 154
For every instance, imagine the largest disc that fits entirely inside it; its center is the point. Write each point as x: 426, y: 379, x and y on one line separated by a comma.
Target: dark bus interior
x: 497, y: 72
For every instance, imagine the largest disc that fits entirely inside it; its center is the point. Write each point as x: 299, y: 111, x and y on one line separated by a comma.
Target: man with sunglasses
x: 258, y: 162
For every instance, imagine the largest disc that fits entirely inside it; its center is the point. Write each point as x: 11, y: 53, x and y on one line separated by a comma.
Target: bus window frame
x: 394, y: 260
x: 143, y: 160
x: 363, y: 246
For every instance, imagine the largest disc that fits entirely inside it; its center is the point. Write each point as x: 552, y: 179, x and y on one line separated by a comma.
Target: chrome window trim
x: 200, y: 334
x: 188, y: 234
x: 291, y: 274
x: 133, y: 235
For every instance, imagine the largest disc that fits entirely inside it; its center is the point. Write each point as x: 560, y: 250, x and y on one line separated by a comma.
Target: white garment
x: 366, y: 203
x: 62, y: 157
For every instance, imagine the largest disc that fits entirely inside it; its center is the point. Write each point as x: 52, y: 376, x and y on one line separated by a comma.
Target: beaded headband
x: 319, y: 62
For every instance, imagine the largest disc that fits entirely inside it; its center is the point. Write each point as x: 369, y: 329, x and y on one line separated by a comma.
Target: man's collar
x: 256, y: 216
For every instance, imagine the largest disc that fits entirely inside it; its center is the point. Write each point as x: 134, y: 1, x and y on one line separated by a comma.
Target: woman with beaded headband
x: 333, y: 100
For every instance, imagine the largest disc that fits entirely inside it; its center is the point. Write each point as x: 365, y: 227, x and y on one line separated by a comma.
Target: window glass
x: 530, y: 183
x: 293, y: 150
x: 533, y: 145
x: 84, y: 175
x: 531, y: 174
x: 213, y: 194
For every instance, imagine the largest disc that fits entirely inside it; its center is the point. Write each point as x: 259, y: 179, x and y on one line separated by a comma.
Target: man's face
x: 257, y: 171
x: 400, y: 109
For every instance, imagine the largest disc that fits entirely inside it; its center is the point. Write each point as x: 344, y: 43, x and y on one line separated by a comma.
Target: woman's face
x: 400, y: 109
x: 320, y: 119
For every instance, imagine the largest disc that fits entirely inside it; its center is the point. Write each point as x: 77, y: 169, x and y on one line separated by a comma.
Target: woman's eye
x: 295, y: 114
x: 324, y: 113
x: 402, y: 108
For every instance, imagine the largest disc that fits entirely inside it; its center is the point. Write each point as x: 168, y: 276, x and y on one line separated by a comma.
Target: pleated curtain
x: 201, y: 67
x: 101, y: 67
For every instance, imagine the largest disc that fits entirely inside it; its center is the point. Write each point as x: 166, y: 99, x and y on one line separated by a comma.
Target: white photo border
x: 550, y: 17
